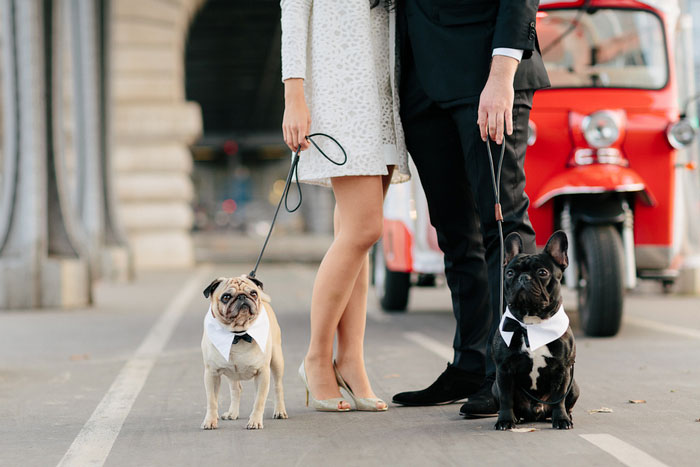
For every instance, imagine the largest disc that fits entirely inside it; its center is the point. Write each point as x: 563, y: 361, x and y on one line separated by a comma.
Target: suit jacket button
x: 531, y: 37
x: 532, y: 24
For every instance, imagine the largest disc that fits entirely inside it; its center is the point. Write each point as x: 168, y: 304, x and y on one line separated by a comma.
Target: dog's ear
x: 255, y: 281
x: 556, y: 248
x: 513, y: 247
x: 212, y: 287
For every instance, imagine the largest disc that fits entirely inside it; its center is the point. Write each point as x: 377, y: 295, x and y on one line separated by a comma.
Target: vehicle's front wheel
x: 391, y: 287
x: 601, y: 280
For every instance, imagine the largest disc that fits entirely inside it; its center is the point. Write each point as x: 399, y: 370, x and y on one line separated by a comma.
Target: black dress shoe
x: 452, y: 385
x: 482, y: 404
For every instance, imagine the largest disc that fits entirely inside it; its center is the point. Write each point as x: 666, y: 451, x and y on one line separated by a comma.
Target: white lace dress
x: 346, y: 54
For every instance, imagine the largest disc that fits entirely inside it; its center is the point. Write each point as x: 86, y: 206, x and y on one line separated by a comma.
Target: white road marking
x: 94, y: 442
x: 430, y: 344
x: 667, y: 328
x: 623, y: 452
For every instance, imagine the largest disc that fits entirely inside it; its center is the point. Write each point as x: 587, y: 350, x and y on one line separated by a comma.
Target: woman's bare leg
x: 351, y: 329
x: 359, y: 204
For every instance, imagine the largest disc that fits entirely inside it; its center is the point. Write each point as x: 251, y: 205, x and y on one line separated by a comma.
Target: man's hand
x: 297, y: 119
x: 496, y: 100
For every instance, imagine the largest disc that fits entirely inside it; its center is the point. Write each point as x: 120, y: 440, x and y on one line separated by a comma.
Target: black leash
x: 496, y: 183
x: 285, y: 193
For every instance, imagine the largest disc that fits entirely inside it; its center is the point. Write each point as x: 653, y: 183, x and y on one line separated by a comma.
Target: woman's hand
x: 297, y: 119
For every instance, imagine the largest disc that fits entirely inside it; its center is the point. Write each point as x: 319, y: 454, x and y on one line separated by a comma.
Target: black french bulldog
x: 533, y: 385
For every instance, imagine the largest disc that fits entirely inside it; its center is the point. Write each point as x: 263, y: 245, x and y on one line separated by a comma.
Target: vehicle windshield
x: 603, y: 48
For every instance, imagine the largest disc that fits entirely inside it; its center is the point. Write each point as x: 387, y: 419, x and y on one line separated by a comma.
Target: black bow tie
x: 245, y: 337
x: 513, y: 325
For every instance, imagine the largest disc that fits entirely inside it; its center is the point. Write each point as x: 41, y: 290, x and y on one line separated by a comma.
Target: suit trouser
x: 446, y: 146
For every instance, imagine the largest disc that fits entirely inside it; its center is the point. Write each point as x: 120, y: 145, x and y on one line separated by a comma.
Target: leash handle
x: 293, y: 173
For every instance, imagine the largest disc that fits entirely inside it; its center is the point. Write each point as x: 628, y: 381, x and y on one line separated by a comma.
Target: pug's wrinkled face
x: 532, y: 286
x: 235, y: 302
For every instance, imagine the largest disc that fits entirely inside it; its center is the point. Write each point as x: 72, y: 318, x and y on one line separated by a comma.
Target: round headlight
x: 600, y: 129
x: 680, y: 134
x: 531, y: 133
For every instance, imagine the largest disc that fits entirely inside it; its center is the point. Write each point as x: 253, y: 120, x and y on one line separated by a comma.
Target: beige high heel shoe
x: 324, y: 405
x: 364, y: 404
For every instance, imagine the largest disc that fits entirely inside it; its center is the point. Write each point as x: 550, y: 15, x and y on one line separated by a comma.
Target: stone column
x: 42, y: 263
x: 154, y: 128
x: 89, y: 45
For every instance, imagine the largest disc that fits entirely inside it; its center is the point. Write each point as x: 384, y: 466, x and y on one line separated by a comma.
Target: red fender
x: 594, y: 178
x: 398, y: 246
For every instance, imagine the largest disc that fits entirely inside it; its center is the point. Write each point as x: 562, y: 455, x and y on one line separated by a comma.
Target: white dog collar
x: 539, y: 334
x: 222, y: 338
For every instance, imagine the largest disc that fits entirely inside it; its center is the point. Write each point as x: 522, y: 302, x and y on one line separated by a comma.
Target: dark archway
x: 232, y: 68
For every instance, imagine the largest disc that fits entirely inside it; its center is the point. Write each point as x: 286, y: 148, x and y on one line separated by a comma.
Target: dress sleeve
x: 295, y: 33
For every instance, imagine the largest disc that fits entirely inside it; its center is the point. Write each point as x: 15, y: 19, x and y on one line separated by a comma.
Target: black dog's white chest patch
x: 539, y: 360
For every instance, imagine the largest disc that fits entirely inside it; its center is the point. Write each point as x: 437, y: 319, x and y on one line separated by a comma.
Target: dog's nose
x: 525, y: 278
x: 241, y: 297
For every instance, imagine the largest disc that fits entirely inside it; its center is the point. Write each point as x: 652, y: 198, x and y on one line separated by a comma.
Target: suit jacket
x: 452, y: 42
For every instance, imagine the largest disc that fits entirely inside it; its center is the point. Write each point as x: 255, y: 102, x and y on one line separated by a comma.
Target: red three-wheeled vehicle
x: 601, y: 164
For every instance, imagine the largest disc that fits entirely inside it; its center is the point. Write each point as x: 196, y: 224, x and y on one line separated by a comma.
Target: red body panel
x: 596, y: 3
x: 595, y: 178
x: 644, y: 144
x: 398, y: 246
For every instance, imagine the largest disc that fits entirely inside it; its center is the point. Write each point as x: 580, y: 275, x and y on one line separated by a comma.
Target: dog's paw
x: 255, y: 424
x: 210, y: 423
x: 504, y: 425
x: 562, y: 424
x: 281, y: 414
x: 230, y: 416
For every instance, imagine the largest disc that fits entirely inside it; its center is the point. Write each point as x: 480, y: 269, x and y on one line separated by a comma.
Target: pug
x: 534, y: 347
x: 241, y: 341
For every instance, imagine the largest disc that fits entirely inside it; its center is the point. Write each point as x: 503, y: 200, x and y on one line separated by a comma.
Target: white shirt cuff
x: 512, y: 53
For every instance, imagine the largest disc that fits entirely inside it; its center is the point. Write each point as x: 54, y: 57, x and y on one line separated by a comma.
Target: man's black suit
x: 446, y: 48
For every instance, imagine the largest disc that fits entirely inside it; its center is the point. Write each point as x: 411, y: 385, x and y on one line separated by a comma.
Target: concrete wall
x: 153, y: 126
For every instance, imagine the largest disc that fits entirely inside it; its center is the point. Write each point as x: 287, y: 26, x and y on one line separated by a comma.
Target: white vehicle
x: 408, y: 253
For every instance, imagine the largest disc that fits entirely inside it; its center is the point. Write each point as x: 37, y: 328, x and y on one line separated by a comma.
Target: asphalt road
x: 120, y: 384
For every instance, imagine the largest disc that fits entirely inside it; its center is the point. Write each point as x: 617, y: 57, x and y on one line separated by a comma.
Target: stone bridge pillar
x: 42, y: 262
x: 154, y: 127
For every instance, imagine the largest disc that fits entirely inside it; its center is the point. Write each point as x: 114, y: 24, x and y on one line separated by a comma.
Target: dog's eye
x: 226, y: 297
x: 253, y: 293
x: 510, y: 273
x: 543, y: 272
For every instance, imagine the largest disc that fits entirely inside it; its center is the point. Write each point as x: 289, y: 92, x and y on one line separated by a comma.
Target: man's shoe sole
x: 409, y: 404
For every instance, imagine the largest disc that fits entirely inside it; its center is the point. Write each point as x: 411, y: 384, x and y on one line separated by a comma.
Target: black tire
x: 391, y: 287
x: 667, y: 286
x: 601, y: 286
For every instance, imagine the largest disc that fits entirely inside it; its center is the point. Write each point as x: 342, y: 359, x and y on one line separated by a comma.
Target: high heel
x: 365, y: 404
x: 324, y: 405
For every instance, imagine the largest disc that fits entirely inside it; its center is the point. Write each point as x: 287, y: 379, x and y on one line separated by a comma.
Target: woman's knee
x: 363, y: 234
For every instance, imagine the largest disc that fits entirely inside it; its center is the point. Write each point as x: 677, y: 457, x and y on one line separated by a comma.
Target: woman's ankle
x: 317, y: 358
x: 349, y: 360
